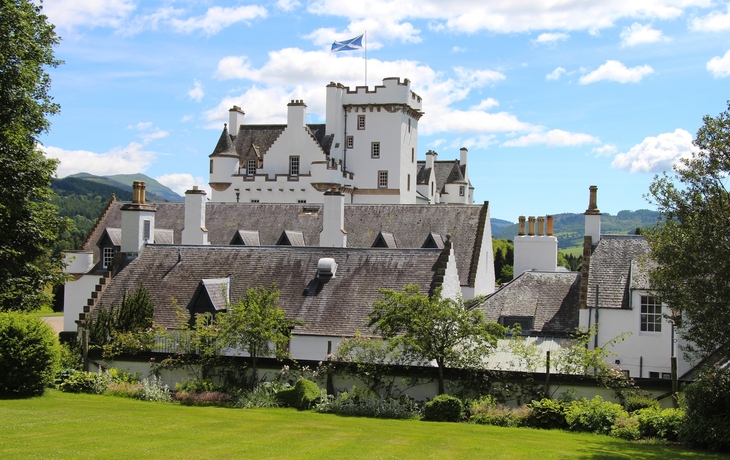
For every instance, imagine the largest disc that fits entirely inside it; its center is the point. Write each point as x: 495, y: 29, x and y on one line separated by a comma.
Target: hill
x: 155, y: 192
x: 570, y: 228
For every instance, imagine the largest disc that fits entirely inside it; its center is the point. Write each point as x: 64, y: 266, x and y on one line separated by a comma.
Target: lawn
x: 60, y: 425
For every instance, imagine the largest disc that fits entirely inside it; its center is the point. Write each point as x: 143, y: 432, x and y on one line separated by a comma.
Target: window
x: 146, y: 230
x: 409, y: 125
x: 409, y: 182
x: 375, y: 150
x: 301, y: 201
x: 211, y: 166
x: 413, y: 155
x: 382, y: 179
x: 294, y: 166
x: 251, y: 168
x: 254, y: 201
x: 651, y: 314
x: 361, y: 122
x: 350, y: 142
x: 107, y: 258
x: 461, y: 190
x: 653, y: 375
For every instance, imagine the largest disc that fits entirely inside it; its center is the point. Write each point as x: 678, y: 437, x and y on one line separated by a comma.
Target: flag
x: 348, y: 45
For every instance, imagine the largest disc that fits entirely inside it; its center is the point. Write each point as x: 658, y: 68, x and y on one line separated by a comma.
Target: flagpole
x: 366, y: 59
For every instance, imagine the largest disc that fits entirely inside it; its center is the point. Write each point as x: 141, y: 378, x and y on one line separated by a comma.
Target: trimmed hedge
x: 29, y: 355
x: 444, y: 408
x: 302, y: 395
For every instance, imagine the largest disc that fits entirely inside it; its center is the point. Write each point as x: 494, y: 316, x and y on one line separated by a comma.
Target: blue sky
x: 549, y: 97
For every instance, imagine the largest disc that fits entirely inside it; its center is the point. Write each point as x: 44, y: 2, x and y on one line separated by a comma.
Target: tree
x: 28, y: 221
x: 434, y: 328
x: 691, y: 243
x: 258, y: 326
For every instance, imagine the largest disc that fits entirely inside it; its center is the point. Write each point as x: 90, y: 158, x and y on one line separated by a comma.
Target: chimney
x: 464, y: 153
x: 531, y: 226
x: 138, y: 221
x: 235, y: 120
x: 522, y: 226
x: 333, y: 234
x: 550, y: 225
x: 431, y: 158
x: 536, y: 250
x: 296, y: 114
x: 540, y: 226
x: 195, y: 232
x: 593, y: 217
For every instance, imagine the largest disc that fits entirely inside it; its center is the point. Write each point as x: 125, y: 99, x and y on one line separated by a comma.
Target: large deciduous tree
x: 29, y: 224
x: 691, y: 244
x: 434, y: 328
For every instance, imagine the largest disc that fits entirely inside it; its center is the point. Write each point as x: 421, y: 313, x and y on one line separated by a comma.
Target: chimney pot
x: 541, y: 226
x: 531, y: 226
x: 550, y: 225
x: 522, y: 226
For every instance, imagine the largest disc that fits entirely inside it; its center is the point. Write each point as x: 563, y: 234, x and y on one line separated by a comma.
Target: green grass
x: 574, y: 251
x: 61, y: 425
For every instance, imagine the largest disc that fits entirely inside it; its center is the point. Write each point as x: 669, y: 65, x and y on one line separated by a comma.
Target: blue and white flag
x: 347, y: 45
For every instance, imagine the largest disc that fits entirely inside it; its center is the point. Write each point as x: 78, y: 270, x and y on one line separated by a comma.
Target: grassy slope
x: 61, y: 425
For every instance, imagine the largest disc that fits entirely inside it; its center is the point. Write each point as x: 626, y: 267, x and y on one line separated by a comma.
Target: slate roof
x: 260, y: 138
x: 550, y: 298
x: 247, y: 237
x: 224, y: 147
x: 410, y: 224
x: 445, y: 172
x: 610, y: 269
x: 115, y: 236
x: 338, y: 307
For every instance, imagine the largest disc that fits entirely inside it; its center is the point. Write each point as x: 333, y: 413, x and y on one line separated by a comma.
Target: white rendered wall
x: 313, y: 347
x: 654, y: 348
x: 78, y: 262
x: 535, y: 252
x: 194, y: 232
x: 223, y: 169
x: 75, y: 295
x: 333, y: 234
x: 133, y: 229
x: 593, y: 227
x: 451, y: 287
x: 485, y: 277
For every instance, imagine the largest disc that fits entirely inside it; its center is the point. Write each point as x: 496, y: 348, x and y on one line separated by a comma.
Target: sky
x: 549, y: 97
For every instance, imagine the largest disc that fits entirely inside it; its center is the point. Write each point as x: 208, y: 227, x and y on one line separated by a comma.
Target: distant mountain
x: 570, y: 228
x: 498, y: 225
x: 155, y: 192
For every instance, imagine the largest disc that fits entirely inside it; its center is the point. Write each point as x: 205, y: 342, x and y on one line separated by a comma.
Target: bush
x: 444, y: 408
x: 29, y: 355
x: 635, y: 403
x: 302, y: 395
x: 123, y: 376
x: 197, y: 386
x: 95, y: 383
x: 154, y: 390
x: 208, y: 398
x: 502, y: 416
x: 596, y: 415
x: 658, y: 423
x: 481, y: 405
x: 365, y: 403
x: 547, y: 413
x: 264, y: 395
x: 707, y: 422
x: 124, y: 390
x: 626, y: 427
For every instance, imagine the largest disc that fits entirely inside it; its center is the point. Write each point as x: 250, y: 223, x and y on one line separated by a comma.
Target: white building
x: 367, y: 149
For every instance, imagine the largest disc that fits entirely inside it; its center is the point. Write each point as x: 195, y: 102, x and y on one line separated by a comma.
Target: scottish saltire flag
x: 347, y: 45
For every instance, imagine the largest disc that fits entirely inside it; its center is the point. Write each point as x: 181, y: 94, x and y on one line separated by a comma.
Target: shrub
x: 626, y: 427
x: 264, y: 395
x: 502, y: 416
x: 596, y: 415
x: 197, y: 386
x: 481, y: 405
x: 95, y: 383
x: 365, y: 403
x: 707, y: 400
x: 124, y: 390
x: 154, y: 390
x: 658, y: 423
x: 29, y: 355
x: 547, y: 413
x: 301, y: 396
x: 123, y: 376
x: 444, y: 408
x: 634, y: 403
x: 207, y: 398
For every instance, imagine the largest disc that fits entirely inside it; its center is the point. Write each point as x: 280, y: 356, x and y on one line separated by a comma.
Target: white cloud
x: 499, y: 16
x: 555, y: 74
x: 218, y: 18
x: 720, y: 66
x: 67, y: 15
x: 486, y: 104
x: 180, y: 183
x: 638, y: 34
x: 656, y: 154
x: 186, y: 118
x: 458, y: 49
x: 157, y: 134
x: 604, y: 150
x: 551, y: 38
x: 287, y: 5
x: 196, y: 93
x: 119, y: 160
x: 616, y: 71
x: 141, y: 126
x: 552, y: 138
x: 295, y: 74
x: 713, y: 22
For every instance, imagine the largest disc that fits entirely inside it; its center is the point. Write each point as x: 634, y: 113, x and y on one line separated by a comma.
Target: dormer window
x: 251, y: 168
x: 107, y: 257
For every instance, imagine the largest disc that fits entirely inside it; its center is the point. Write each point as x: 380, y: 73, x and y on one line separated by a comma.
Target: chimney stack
x: 593, y: 217
x: 138, y: 221
x: 464, y: 153
x: 195, y: 232
x: 296, y: 114
x: 333, y: 234
x: 536, y: 250
x: 235, y: 120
